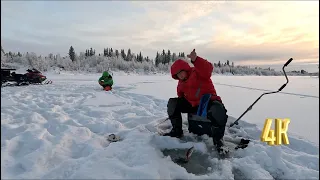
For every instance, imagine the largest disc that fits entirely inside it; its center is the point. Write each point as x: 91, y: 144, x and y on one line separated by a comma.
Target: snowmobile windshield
x: 35, y: 70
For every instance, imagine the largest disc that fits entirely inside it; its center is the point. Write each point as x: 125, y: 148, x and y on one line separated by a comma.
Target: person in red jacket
x: 193, y: 82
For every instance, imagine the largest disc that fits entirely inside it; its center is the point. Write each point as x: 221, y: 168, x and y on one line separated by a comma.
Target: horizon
x: 265, y: 36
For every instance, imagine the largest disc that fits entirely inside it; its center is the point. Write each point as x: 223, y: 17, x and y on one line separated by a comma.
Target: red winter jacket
x: 198, y: 82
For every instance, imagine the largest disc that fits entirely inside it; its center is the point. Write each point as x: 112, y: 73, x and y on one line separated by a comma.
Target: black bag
x: 199, y: 125
x: 202, y: 122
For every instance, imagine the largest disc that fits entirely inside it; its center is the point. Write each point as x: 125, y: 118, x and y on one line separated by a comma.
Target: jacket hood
x: 178, y: 66
x: 105, y: 74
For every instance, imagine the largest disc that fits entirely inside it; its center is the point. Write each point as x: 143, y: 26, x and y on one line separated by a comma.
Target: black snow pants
x: 216, y: 113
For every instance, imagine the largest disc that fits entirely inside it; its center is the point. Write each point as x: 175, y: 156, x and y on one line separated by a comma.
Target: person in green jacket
x: 106, y: 81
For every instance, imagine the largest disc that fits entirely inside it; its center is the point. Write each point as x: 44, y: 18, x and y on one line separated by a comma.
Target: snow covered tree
x: 91, y: 53
x: 129, y: 55
x: 163, y: 57
x: 140, y: 58
x: 168, y: 57
x: 117, y: 53
x: 72, y: 54
x: 110, y: 52
x: 105, y: 52
x: 147, y: 59
x: 123, y: 54
x: 174, y: 57
x: 157, y: 59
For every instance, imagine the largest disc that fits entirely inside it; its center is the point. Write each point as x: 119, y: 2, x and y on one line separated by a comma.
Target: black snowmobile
x: 33, y: 76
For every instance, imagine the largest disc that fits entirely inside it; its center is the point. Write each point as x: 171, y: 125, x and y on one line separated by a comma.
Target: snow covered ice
x: 59, y: 131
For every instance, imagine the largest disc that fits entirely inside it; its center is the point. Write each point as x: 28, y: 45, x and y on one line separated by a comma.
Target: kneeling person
x: 106, y: 81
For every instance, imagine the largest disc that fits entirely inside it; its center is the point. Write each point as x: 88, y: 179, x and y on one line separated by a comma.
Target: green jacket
x: 106, y: 79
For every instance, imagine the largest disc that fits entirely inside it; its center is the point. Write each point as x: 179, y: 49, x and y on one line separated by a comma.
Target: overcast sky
x: 265, y: 33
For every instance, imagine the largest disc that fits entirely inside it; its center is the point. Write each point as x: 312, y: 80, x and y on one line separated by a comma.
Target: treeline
x: 122, y: 60
x: 164, y: 58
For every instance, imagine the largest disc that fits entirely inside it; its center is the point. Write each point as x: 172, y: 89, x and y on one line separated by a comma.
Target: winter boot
x: 217, y: 136
x: 176, y: 130
x: 220, y: 147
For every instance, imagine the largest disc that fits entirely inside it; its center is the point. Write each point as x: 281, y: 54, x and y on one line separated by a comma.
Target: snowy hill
x: 59, y: 131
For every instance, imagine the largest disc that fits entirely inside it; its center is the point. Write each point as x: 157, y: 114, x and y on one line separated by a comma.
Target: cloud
x: 267, y: 32
x: 241, y: 31
x: 270, y: 34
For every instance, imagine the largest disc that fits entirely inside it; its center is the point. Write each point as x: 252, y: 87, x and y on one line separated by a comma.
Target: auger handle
x: 288, y: 62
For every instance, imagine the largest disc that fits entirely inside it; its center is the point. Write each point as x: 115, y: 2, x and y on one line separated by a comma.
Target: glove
x: 192, y: 55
